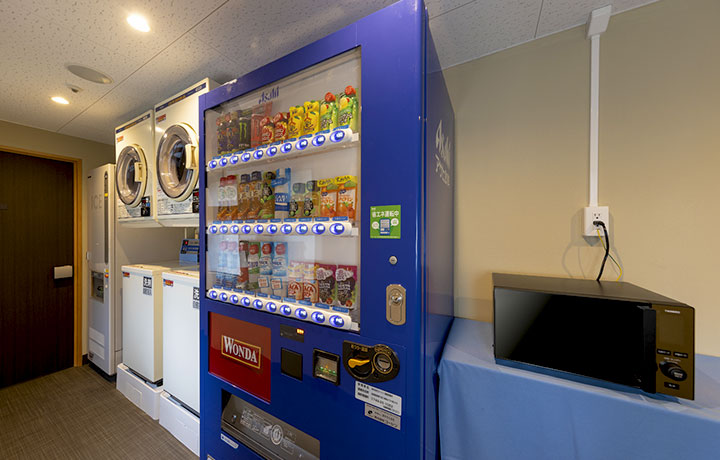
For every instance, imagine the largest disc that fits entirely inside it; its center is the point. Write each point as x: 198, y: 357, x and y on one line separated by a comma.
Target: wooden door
x: 36, y: 234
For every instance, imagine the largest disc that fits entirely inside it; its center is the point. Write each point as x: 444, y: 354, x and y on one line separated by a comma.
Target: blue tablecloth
x: 489, y: 411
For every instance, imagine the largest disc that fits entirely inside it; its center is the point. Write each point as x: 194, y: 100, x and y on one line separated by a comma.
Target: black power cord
x: 607, y: 247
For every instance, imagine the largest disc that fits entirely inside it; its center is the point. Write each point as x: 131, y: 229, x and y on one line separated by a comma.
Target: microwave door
x: 649, y: 367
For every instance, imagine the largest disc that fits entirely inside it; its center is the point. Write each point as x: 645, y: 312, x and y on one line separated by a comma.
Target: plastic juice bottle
x: 328, y: 113
x: 295, y: 207
x: 243, y: 196
x: 231, y: 197
x: 311, y: 122
x: 328, y: 197
x: 221, y: 264
x: 232, y: 269
x: 243, y: 270
x: 346, y: 196
x: 267, y: 198
x: 280, y: 122
x: 256, y: 184
x: 311, y: 200
x: 222, y: 141
x: 222, y: 134
x: 267, y: 131
x: 233, y: 131
x: 222, y: 210
x: 348, y: 108
x: 295, y: 121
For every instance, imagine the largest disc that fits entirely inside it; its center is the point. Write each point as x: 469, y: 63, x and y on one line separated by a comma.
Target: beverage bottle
x: 243, y: 196
x: 221, y: 265
x: 311, y: 201
x: 256, y: 184
x: 231, y: 198
x: 233, y: 263
x: 221, y: 199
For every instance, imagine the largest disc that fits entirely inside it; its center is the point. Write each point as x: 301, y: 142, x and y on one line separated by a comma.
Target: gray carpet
x: 76, y: 414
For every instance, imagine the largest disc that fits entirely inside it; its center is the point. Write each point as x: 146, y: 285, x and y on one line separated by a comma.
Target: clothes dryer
x: 176, y: 156
x: 135, y: 172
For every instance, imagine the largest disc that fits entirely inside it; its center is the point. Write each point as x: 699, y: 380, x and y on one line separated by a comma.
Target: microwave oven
x: 596, y: 332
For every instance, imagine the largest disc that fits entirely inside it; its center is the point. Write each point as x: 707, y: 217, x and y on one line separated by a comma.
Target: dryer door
x: 131, y: 175
x: 177, y: 162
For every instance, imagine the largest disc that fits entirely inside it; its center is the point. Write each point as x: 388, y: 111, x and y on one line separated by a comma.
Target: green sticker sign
x: 385, y: 221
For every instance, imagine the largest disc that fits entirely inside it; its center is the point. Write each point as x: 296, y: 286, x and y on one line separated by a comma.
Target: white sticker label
x: 377, y: 397
x: 382, y: 416
x: 227, y: 440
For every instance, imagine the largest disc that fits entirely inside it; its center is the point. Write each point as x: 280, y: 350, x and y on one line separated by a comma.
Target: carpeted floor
x: 76, y: 414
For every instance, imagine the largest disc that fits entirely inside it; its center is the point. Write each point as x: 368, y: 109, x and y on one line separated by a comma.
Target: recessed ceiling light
x: 86, y: 73
x: 60, y: 100
x: 138, y: 22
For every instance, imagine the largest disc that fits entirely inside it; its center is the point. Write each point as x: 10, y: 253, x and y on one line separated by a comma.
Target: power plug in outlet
x: 593, y: 213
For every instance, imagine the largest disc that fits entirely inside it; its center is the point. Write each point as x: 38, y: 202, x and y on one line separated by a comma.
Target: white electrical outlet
x: 593, y: 213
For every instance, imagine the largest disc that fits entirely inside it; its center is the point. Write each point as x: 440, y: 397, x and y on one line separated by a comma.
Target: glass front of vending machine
x: 318, y: 337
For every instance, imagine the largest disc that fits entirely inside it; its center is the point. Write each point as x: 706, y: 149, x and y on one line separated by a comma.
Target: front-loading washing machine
x: 177, y: 170
x: 135, y: 172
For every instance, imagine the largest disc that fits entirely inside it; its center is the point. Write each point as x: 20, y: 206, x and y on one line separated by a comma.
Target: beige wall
x: 522, y: 159
x: 92, y: 154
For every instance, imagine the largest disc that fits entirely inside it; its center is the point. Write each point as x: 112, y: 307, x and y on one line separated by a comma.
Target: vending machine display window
x: 282, y: 196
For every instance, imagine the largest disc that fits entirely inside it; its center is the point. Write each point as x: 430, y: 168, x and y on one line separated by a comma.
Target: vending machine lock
x: 395, y: 304
x: 370, y: 364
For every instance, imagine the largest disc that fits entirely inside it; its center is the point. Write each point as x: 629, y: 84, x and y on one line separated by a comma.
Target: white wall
x: 522, y: 119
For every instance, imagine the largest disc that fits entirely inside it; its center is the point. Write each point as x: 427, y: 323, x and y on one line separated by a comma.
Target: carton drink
x: 346, y: 280
x: 325, y: 274
x: 310, y: 284
x: 295, y: 280
x: 265, y: 262
x: 280, y: 259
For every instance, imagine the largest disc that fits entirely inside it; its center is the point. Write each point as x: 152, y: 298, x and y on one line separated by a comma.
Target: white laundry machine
x: 143, y: 318
x: 176, y: 156
x: 181, y: 336
x: 179, y: 408
x: 135, y: 172
x: 109, y: 247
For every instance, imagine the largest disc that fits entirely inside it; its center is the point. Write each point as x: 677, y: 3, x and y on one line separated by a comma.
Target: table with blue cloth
x: 490, y: 411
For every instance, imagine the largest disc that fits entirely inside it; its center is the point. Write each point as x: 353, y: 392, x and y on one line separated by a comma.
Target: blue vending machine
x: 327, y: 266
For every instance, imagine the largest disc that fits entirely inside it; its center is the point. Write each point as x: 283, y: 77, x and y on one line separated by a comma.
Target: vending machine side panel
x: 438, y: 241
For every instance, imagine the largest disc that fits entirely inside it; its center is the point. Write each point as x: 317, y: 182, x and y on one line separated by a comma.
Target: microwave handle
x: 649, y: 367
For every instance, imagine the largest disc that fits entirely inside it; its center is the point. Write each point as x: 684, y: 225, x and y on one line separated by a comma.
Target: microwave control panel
x: 674, y: 350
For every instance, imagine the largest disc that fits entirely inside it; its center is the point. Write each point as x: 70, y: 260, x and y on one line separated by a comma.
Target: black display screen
x: 592, y: 337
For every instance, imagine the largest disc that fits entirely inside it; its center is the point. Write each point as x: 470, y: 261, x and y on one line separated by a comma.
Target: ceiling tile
x: 482, y: 27
x: 256, y: 33
x: 35, y: 52
x: 185, y: 62
x: 558, y: 15
x: 105, y: 22
x: 438, y: 7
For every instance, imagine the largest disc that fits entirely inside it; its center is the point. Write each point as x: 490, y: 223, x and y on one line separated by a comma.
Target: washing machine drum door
x: 177, y: 162
x: 131, y: 175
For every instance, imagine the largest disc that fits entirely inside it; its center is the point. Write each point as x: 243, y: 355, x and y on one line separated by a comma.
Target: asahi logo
x: 443, y: 156
x: 269, y: 95
x: 242, y: 352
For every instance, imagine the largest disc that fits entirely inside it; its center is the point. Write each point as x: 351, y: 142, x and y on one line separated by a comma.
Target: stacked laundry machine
x: 151, y: 196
